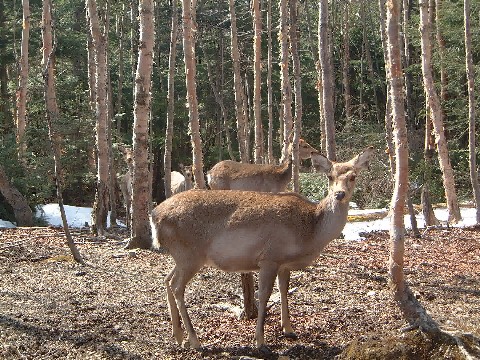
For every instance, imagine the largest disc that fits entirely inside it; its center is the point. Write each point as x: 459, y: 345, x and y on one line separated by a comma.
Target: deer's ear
x: 361, y: 160
x: 321, y: 163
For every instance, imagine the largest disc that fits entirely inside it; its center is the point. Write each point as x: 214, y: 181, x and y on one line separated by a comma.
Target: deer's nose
x: 339, y: 195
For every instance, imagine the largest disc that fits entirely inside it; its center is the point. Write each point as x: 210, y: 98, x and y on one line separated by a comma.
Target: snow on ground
x: 6, y: 224
x: 81, y: 217
x: 353, y: 230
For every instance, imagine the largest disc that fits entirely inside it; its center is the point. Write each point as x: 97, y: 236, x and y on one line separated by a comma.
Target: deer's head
x: 342, y: 176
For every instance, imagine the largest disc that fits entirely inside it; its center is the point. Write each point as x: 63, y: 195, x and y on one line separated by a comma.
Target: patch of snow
x: 76, y: 216
x: 353, y: 230
x: 6, y: 224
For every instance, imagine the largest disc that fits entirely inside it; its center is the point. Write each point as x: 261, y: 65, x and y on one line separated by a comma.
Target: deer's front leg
x: 283, y: 282
x: 266, y: 279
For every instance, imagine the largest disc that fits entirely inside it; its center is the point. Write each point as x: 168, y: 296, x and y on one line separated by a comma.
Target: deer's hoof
x: 191, y: 344
x: 291, y: 335
x: 265, y: 350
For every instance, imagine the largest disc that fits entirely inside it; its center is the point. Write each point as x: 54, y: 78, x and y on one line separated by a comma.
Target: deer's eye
x: 352, y: 178
x: 330, y: 177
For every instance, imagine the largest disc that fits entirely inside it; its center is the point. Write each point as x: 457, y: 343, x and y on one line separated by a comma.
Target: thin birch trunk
x: 471, y: 110
x: 92, y: 76
x: 441, y: 51
x: 112, y: 180
x: 189, y: 27
x: 23, y: 80
x: 271, y: 159
x: 327, y: 80
x: 371, y: 72
x: 133, y: 41
x: 346, y: 65
x: 247, y: 101
x: 141, y: 189
x: 172, y: 59
x: 219, y: 100
x: 437, y: 115
x: 388, y: 106
x: 395, y: 78
x: 121, y: 65
x: 297, y: 125
x: 48, y: 61
x: 285, y: 77
x: 238, y: 87
x: 257, y: 80
x: 100, y: 208
x: 428, y: 152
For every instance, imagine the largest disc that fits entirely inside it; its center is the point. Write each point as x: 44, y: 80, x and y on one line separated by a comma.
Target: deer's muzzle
x: 339, y: 195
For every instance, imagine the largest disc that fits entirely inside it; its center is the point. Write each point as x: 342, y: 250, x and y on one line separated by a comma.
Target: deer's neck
x: 188, y: 183
x: 286, y: 166
x: 331, y: 218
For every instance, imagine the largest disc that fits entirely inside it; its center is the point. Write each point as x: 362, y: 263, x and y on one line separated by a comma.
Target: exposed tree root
x: 417, y: 316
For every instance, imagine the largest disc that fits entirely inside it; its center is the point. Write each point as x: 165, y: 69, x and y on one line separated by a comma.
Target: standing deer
x: 232, y: 175
x: 182, y: 181
x: 246, y: 231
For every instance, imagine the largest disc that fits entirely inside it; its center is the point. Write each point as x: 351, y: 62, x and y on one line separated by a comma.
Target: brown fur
x: 232, y: 175
x: 245, y: 231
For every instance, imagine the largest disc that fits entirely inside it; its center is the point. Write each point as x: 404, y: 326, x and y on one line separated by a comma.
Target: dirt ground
x: 341, y: 307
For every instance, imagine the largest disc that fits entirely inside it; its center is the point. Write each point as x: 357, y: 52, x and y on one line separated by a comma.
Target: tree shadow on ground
x: 77, y: 338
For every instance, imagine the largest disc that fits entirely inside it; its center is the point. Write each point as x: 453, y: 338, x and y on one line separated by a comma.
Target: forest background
x: 359, y: 93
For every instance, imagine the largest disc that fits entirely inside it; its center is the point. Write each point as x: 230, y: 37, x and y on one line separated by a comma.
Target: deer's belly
x: 244, y: 249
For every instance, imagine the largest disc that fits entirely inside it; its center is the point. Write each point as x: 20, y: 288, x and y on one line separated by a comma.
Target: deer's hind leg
x: 178, y: 281
x: 177, y: 331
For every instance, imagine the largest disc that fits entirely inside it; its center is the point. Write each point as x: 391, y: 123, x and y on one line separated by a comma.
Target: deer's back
x: 232, y: 175
x: 204, y: 221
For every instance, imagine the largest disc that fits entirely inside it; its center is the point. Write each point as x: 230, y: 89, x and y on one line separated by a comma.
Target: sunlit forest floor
x: 341, y: 307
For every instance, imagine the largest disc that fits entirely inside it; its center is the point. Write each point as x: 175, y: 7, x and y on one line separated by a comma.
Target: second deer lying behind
x: 232, y: 175
x: 245, y: 231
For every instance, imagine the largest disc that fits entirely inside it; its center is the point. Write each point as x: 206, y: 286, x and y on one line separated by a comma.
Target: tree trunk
x: 257, y: 80
x: 172, y: 59
x: 441, y: 51
x: 346, y: 65
x: 314, y: 52
x: 271, y: 159
x: 238, y: 87
x: 5, y: 98
x: 437, y: 115
x: 119, y: 104
x: 407, y: 55
x: 285, y: 78
x: 471, y: 110
x: 112, y: 176
x: 100, y: 208
x: 48, y: 61
x: 189, y: 27
x: 428, y: 152
x: 249, y: 114
x: 371, y: 72
x: 92, y: 76
x: 21, y: 209
x: 217, y: 94
x: 141, y: 190
x: 327, y: 79
x: 388, y: 106
x: 23, y: 80
x: 133, y: 41
x: 297, y: 125
x: 395, y: 78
